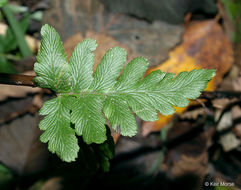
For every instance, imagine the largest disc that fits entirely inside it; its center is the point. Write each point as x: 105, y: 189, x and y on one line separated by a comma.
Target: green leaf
x: 119, y: 115
x: 81, y: 65
x: 58, y: 132
x: 86, y: 99
x: 3, y: 2
x: 109, y: 69
x: 51, y: 68
x: 88, y: 118
x: 19, y: 35
x: 10, y: 42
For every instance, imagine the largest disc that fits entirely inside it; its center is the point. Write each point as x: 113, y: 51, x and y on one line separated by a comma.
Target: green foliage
x: 8, y: 45
x: 17, y: 31
x: 5, y: 177
x: 85, y: 99
x: 3, y: 2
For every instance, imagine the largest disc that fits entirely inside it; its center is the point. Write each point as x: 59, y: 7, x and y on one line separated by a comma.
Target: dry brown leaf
x: 195, y: 165
x: 23, y: 152
x: 189, y: 155
x: 17, y: 91
x: 221, y: 103
x: 193, y: 114
x: 104, y: 42
x: 225, y: 122
x: 204, y: 46
x: 54, y: 183
x: 229, y: 141
x: 38, y: 101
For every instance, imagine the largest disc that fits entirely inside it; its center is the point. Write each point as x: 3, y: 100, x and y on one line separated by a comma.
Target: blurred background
x: 199, y: 144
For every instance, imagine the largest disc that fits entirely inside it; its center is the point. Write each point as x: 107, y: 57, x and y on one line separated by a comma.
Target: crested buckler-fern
x: 85, y: 100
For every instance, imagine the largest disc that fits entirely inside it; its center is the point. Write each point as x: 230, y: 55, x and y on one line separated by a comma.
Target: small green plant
x: 9, y: 48
x: 13, y: 45
x: 85, y: 100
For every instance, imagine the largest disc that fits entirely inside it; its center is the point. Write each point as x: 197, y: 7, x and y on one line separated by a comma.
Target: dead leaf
x: 104, y: 42
x: 229, y: 141
x: 20, y: 147
x: 225, y: 122
x: 204, y: 46
x: 150, y: 40
x: 38, y: 101
x: 194, y: 165
x: 52, y: 184
x: 188, y: 155
x: 193, y: 114
x: 221, y: 103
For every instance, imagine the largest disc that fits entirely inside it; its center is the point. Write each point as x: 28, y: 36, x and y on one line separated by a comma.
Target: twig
x: 16, y: 79
x: 220, y: 94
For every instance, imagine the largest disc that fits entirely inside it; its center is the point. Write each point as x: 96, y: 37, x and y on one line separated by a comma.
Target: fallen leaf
x: 150, y: 40
x: 204, y: 46
x: 229, y: 141
x: 188, y: 153
x: 104, y: 42
x: 20, y: 147
x: 193, y: 114
x: 221, y: 103
x: 194, y: 165
x: 53, y: 184
x: 38, y: 101
x: 225, y: 122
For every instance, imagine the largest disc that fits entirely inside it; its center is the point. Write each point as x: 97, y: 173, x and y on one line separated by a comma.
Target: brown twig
x: 16, y: 79
x: 220, y: 94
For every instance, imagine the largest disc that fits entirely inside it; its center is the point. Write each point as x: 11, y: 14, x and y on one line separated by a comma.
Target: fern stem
x: 16, y: 79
